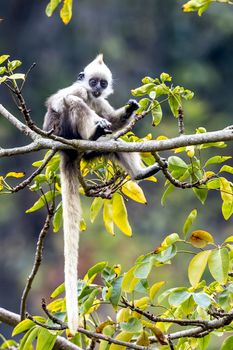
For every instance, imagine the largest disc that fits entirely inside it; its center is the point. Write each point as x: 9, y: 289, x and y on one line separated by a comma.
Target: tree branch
x: 33, y: 175
x: 12, y: 319
x: 37, y: 261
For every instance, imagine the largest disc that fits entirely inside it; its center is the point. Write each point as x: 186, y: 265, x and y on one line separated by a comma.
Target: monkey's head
x: 97, y: 78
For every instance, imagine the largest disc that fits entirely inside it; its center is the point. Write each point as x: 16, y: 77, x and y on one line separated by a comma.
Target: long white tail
x: 71, y: 223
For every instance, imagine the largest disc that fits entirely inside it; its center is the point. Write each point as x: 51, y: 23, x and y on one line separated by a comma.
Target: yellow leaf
x: 142, y: 303
x: 197, y: 266
x: 119, y: 214
x: 227, y: 197
x: 15, y: 174
x: 123, y: 315
x: 143, y: 339
x: 200, y: 238
x: 66, y: 11
x: 124, y: 336
x: 154, y: 289
x: 151, y: 178
x: 108, y: 216
x: 82, y: 225
x: 161, y: 138
x: 129, y: 281
x: 117, y: 269
x: 1, y: 183
x: 190, y: 151
x: 133, y: 190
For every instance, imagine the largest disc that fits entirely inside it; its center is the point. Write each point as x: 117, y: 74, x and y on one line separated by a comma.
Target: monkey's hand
x: 103, y: 127
x: 131, y: 107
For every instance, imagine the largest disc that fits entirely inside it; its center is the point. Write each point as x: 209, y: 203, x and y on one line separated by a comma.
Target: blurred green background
x: 138, y: 38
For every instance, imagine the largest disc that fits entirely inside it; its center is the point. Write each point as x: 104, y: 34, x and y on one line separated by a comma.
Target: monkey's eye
x: 103, y: 83
x: 93, y: 82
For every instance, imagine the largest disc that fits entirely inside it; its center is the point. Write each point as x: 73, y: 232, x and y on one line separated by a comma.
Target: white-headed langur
x: 81, y: 111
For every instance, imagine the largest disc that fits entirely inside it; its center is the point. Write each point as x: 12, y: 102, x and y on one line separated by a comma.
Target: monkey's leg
x: 133, y: 165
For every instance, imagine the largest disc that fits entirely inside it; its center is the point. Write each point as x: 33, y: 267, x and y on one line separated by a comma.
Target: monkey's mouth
x: 96, y: 93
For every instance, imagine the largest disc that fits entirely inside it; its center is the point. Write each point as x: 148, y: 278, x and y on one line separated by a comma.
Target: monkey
x: 81, y: 111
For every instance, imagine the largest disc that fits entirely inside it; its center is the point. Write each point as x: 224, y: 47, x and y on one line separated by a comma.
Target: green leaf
x: 23, y: 326
x: 178, y: 297
x: 94, y: 270
x: 60, y: 289
x: 28, y: 338
x: 167, y: 242
x: 165, y: 77
x: 213, y: 184
x: 17, y: 76
x: 166, y: 193
x: 108, y: 216
x: 57, y: 219
x: 143, y: 90
x: 174, y: 103
x: 52, y: 5
x: 201, y: 194
x: 133, y: 325
x: 89, y: 302
x: 120, y: 216
x: 197, y: 266
x: 46, y: 340
x: 227, y: 169
x: 66, y: 11
x: 218, y: 263
x: 143, y: 270
x: 217, y: 160
x: 228, y: 343
x: 189, y: 221
x: 202, y: 299
x: 157, y: 113
x: 96, y: 206
x: 177, y: 164
x: 204, y: 342
x: 42, y: 201
x: 13, y: 65
x: 3, y: 58
x: 9, y: 344
x: 116, y: 292
x: 3, y: 70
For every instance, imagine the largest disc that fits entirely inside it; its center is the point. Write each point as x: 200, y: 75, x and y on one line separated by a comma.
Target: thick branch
x: 13, y: 319
x: 108, y: 145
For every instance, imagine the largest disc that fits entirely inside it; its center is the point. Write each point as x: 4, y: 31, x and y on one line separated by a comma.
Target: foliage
x: 65, y: 12
x: 199, y: 6
x: 145, y: 308
x: 147, y: 311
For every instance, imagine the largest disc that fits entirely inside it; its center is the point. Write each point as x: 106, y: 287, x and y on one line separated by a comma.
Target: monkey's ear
x: 81, y: 76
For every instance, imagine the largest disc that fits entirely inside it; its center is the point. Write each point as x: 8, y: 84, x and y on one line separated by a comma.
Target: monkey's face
x: 97, y: 86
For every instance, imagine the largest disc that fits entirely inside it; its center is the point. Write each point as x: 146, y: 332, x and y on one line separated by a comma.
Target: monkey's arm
x: 56, y: 101
x: 119, y: 117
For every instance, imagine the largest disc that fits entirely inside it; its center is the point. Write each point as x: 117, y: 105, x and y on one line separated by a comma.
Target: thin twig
x: 89, y: 334
x: 151, y: 317
x: 37, y: 261
x: 34, y: 174
x: 181, y: 121
x: 175, y: 182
